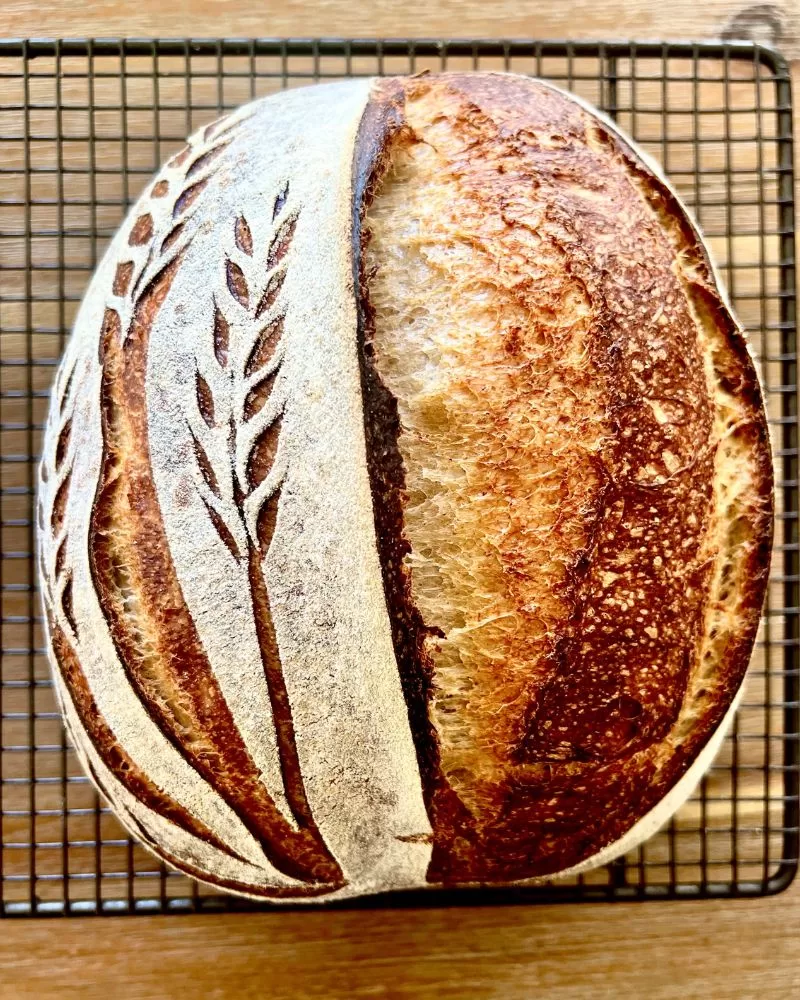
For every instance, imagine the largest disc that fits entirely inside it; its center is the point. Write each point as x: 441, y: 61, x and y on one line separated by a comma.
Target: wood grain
x: 777, y: 22
x: 724, y: 951
x: 735, y: 950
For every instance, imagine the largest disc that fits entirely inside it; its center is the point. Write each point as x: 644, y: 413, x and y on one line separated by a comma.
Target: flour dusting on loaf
x: 405, y: 503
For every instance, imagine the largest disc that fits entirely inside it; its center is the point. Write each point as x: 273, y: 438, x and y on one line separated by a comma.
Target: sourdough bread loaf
x: 405, y: 504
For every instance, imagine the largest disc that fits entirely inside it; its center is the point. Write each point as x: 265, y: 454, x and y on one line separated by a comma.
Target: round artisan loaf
x: 406, y: 499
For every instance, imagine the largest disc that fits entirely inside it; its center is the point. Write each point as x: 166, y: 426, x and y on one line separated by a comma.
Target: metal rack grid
x: 83, y: 124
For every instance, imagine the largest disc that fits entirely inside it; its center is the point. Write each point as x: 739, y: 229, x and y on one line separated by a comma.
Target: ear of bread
x: 405, y: 502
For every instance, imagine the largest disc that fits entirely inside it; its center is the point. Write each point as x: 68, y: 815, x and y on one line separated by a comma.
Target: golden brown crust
x: 577, y: 729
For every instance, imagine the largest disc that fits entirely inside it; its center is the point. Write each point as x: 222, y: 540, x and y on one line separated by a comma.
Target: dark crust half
x: 174, y: 681
x: 554, y: 816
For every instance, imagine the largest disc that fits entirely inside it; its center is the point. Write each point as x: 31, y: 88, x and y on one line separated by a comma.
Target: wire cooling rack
x: 83, y: 124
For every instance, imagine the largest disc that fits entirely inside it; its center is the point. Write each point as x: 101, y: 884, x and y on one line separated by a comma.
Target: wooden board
x: 713, y: 951
x: 777, y: 22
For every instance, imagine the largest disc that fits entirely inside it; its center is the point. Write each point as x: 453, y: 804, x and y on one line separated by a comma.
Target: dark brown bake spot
x: 237, y: 285
x: 205, y: 399
x: 141, y: 231
x: 122, y: 277
x: 62, y: 445
x: 172, y: 237
x: 188, y: 197
x: 243, y: 236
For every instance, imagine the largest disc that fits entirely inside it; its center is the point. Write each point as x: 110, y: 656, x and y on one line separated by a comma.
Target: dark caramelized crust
x: 113, y: 754
x: 570, y: 468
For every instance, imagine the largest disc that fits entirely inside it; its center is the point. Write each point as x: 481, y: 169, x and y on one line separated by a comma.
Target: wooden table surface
x: 713, y: 950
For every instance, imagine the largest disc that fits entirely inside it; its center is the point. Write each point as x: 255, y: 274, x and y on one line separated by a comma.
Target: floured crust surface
x: 218, y: 630
x: 582, y: 465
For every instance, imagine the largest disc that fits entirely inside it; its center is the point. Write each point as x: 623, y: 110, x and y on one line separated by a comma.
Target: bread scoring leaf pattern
x: 64, y: 634
x: 182, y: 695
x: 56, y: 470
x: 240, y: 397
x: 155, y: 638
x: 148, y: 250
